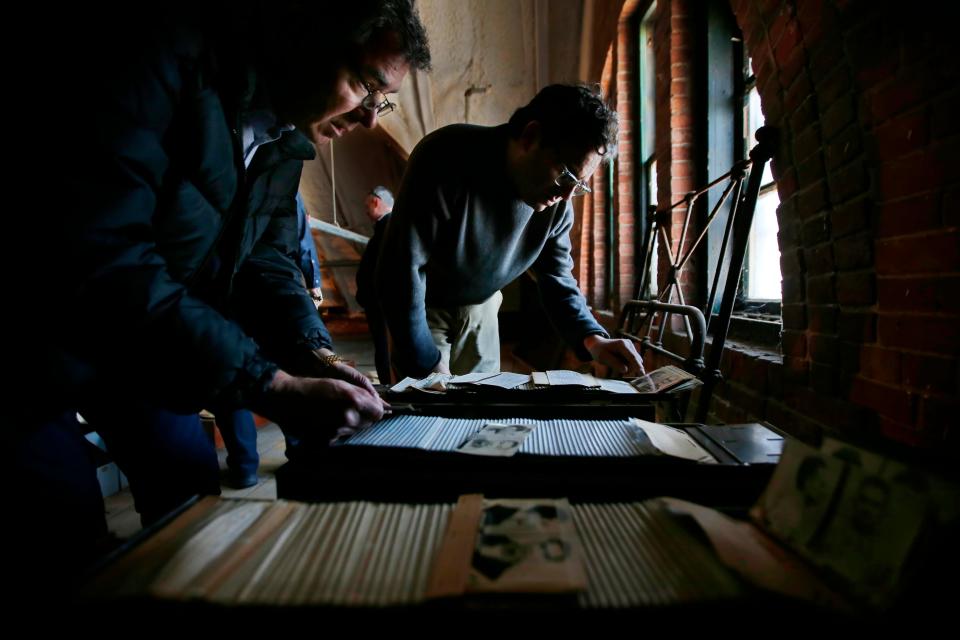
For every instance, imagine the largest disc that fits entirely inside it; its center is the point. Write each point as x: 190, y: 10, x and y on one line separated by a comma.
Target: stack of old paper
x: 835, y: 526
x: 237, y: 552
x: 671, y: 441
x: 668, y: 378
x: 496, y: 439
x: 440, y: 382
x: 550, y: 436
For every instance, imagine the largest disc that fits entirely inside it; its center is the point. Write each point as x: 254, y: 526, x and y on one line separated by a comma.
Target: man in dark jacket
x: 180, y: 237
x: 379, y: 204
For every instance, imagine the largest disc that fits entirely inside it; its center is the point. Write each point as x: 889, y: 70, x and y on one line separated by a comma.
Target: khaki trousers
x: 468, y: 337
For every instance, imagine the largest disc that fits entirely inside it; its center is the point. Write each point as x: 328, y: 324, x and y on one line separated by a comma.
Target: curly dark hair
x: 570, y: 115
x: 401, y: 18
x: 331, y: 30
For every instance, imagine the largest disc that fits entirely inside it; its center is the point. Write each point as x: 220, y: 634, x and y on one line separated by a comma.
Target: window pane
x: 754, y: 122
x: 763, y: 268
x: 763, y: 253
x: 652, y: 190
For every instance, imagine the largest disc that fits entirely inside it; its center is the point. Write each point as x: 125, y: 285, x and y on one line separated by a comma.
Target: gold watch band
x: 330, y: 359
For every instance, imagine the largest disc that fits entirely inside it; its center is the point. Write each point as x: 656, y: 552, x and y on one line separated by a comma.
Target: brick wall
x: 865, y: 96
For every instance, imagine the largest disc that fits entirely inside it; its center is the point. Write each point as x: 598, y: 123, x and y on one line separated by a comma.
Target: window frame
x: 766, y: 309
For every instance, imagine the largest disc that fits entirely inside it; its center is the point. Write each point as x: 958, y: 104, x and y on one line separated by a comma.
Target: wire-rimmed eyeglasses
x: 567, y: 180
x: 376, y: 101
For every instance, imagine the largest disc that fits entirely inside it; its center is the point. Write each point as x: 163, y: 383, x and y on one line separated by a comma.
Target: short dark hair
x: 401, y: 18
x: 570, y: 115
x: 308, y: 28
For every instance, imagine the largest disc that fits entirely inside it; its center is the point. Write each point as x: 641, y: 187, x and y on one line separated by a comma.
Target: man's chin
x: 542, y: 206
x: 323, y: 134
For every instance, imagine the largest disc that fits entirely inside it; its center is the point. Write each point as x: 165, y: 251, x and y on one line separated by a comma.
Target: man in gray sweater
x: 479, y: 206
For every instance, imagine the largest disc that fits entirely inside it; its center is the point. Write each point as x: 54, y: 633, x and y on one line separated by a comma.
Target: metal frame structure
x: 648, y: 321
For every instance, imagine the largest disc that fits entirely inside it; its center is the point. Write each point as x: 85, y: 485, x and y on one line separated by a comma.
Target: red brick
x: 836, y: 413
x: 786, y: 183
x: 815, y: 230
x: 804, y: 115
x: 930, y: 253
x: 858, y: 326
x: 882, y: 68
x: 823, y: 349
x: 791, y: 262
x: 833, y: 85
x: 936, y: 412
x: 827, y: 57
x: 888, y: 401
x: 807, y: 143
x: 849, y: 359
x: 798, y: 92
x: 951, y: 208
x: 873, y: 48
x: 739, y: 7
x: 930, y: 294
x: 794, y: 423
x: 825, y: 380
x: 931, y: 373
x: 679, y: 87
x: 899, y: 432
x: 740, y: 396
x: 787, y: 45
x: 810, y: 16
x: 812, y: 199
x: 770, y: 102
x: 819, y: 259
x: 880, y: 364
x: 777, y: 27
x: 851, y: 217
x: 821, y: 290
x: 912, y: 175
x: 789, y: 232
x: 793, y: 289
x: 854, y: 252
x: 792, y: 66
x: 823, y: 318
x: 837, y: 116
x: 932, y: 334
x: 944, y: 117
x: 895, y: 98
x: 811, y: 169
x: 764, y: 67
x: 726, y: 412
x: 843, y: 147
x: 912, y: 215
x: 946, y: 153
x: 794, y: 344
x: 903, y: 134
x: 794, y: 317
x: 849, y: 181
x: 857, y: 288
x: 792, y: 372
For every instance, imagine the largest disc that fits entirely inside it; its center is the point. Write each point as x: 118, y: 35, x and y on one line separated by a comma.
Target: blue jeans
x: 167, y: 457
x: 56, y: 505
x: 240, y: 437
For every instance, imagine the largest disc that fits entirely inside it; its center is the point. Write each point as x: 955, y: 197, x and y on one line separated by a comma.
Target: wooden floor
x: 123, y: 520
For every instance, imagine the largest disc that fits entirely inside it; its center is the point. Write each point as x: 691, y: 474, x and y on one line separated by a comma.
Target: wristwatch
x: 328, y: 360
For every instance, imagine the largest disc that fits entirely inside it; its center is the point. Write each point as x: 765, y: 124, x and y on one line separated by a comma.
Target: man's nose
x: 368, y: 117
x: 566, y: 192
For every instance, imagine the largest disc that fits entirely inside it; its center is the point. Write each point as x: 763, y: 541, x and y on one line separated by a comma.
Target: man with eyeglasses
x: 480, y: 205
x: 180, y: 234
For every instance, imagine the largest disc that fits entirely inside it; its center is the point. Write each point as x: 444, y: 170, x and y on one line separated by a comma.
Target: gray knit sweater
x: 459, y: 233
